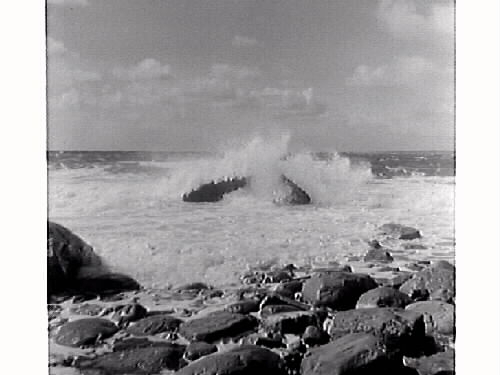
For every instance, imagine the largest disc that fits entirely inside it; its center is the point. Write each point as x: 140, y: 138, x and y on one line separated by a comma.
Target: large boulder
x: 399, y: 329
x: 290, y: 322
x: 383, y: 297
x: 438, y: 316
x: 356, y: 353
x: 439, y: 277
x: 85, y: 332
x: 337, y: 290
x: 217, y: 325
x: 146, y: 360
x: 242, y: 360
x: 74, y: 268
x: 67, y: 256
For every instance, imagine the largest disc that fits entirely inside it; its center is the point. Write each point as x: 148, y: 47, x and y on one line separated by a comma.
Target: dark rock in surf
x: 399, y: 231
x: 214, y: 191
x: 146, y: 360
x: 217, y: 325
x: 337, y: 290
x: 383, y: 297
x: 242, y: 360
x: 85, y: 332
x: 296, y: 195
x: 378, y: 256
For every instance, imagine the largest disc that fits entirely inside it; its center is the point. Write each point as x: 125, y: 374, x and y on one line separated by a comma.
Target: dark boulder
x: 243, y: 307
x: 400, y: 330
x: 67, y: 256
x: 383, y: 297
x: 296, y: 194
x: 146, y: 360
x: 242, y: 360
x: 430, y: 280
x: 85, y: 332
x: 276, y: 309
x: 106, y: 284
x: 289, y: 322
x: 357, y: 353
x: 128, y: 313
x: 337, y: 290
x: 315, y: 336
x: 154, y: 324
x: 438, y: 316
x: 217, y: 325
x: 215, y: 190
x: 289, y: 288
x: 399, y: 231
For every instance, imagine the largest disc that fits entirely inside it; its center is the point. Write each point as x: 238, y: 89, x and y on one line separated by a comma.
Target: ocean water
x: 128, y: 206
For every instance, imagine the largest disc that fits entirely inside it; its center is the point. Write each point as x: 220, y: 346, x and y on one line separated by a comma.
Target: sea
x: 128, y: 205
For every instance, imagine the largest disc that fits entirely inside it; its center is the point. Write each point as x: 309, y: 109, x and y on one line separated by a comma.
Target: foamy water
x: 133, y: 215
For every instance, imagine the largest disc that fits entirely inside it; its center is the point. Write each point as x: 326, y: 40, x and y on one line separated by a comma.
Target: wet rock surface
x: 217, y: 325
x: 242, y: 360
x: 383, y: 297
x: 85, y: 332
x: 337, y: 290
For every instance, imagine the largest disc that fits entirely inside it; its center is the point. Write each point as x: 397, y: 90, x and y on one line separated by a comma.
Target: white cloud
x: 409, y: 19
x: 243, y: 41
x: 69, y: 2
x: 402, y: 71
x: 147, y: 69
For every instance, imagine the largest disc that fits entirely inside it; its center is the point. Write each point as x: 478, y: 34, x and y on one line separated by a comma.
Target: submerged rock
x: 85, y: 332
x: 399, y: 231
x: 337, y: 290
x: 217, y: 325
x: 242, y: 360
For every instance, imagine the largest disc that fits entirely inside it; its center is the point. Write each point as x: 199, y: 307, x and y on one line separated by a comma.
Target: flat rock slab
x: 429, y: 281
x: 383, y: 297
x: 294, y: 322
x: 350, y: 354
x: 438, y: 364
x: 399, y: 329
x: 199, y: 349
x: 217, y: 325
x: 337, y: 290
x: 438, y: 316
x: 149, y: 360
x: 85, y: 332
x: 399, y: 231
x: 242, y: 360
x: 154, y: 324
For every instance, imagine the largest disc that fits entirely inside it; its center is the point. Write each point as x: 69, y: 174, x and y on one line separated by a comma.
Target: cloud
x: 424, y: 20
x: 243, y: 41
x: 147, y: 69
x: 68, y: 2
x: 402, y: 71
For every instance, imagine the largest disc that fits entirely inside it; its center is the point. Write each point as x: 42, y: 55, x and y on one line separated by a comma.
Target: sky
x: 188, y: 75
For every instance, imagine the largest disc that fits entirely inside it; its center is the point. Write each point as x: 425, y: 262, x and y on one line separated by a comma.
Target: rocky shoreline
x: 339, y: 319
